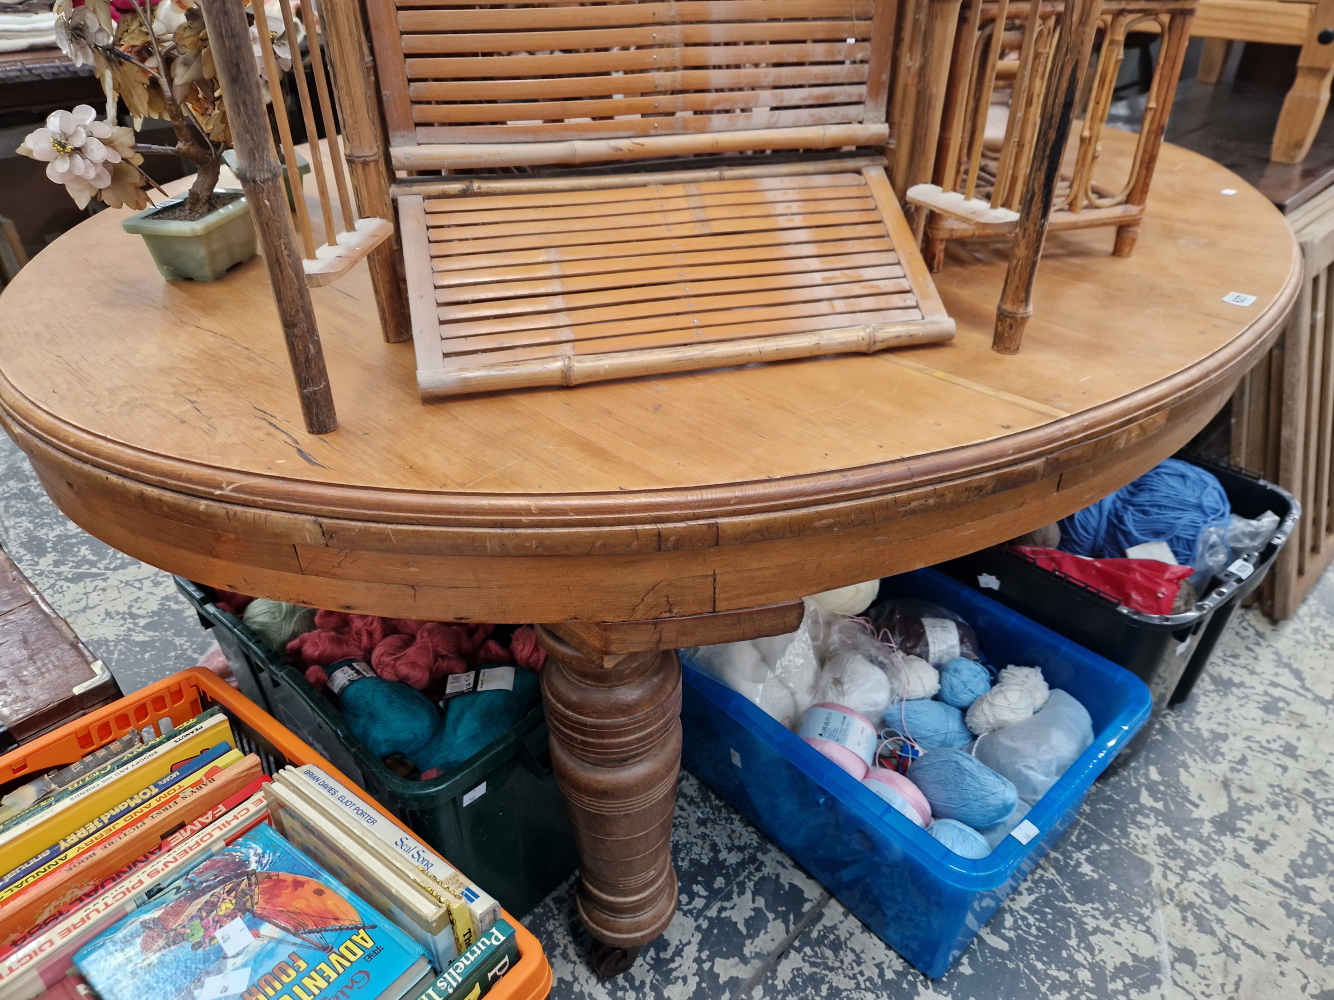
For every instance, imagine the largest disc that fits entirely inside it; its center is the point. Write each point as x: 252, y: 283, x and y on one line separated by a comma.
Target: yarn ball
x: 963, y: 681
x: 323, y: 647
x: 1172, y: 502
x: 963, y: 840
x: 840, y: 755
x: 405, y: 659
x: 277, y: 623
x: 900, y: 793
x: 527, y: 651
x: 317, y: 676
x: 389, y: 717
x: 851, y: 600
x: 929, y: 724
x: 1019, y: 692
x: 475, y: 721
x: 916, y: 679
x: 851, y: 679
x: 959, y: 786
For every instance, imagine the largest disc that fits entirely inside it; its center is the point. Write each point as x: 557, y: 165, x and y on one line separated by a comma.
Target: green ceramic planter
x: 202, y: 250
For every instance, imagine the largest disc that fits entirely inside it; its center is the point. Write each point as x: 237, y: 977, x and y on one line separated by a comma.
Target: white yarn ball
x: 851, y: 600
x: 1017, y: 694
x: 919, y: 680
x: 852, y: 680
x: 772, y: 647
x: 739, y: 663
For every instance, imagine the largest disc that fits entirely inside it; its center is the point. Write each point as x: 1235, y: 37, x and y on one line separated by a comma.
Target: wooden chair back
x: 549, y: 82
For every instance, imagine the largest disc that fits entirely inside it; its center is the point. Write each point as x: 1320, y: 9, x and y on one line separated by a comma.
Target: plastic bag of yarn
x: 795, y: 657
x: 930, y: 724
x: 851, y: 600
x: 926, y: 630
x: 1034, y: 753
x: 1245, y: 536
x: 963, y: 681
x: 277, y: 623
x: 1212, y: 555
x: 740, y: 667
x: 852, y: 679
x: 1017, y: 694
x: 959, y: 786
x: 909, y: 676
x: 474, y: 721
x: 960, y: 838
x: 995, y: 834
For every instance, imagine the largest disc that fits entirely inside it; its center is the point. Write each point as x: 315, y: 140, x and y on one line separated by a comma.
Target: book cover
x: 474, y: 973
x: 23, y: 840
x: 142, y: 801
x: 47, y: 896
x: 259, y: 920
x: 423, y: 917
x: 47, y: 954
x: 358, y: 814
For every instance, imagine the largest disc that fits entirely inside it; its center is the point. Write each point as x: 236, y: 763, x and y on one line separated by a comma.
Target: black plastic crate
x: 498, y: 816
x: 1168, y: 652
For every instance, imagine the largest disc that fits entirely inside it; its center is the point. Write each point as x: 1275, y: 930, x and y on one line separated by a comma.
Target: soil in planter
x: 179, y: 213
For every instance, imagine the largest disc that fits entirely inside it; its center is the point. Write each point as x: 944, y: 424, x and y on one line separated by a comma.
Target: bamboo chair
x: 526, y: 268
x: 979, y: 176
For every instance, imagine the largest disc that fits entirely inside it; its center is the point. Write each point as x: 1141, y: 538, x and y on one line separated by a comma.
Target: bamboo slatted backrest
x: 548, y: 81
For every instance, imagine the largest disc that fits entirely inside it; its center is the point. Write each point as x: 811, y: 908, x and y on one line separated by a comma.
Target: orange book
x: 43, y: 898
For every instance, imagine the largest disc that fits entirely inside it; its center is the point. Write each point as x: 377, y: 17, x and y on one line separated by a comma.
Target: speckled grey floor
x: 1202, y: 871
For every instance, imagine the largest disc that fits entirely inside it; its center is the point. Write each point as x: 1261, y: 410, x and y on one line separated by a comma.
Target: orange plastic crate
x: 183, y: 696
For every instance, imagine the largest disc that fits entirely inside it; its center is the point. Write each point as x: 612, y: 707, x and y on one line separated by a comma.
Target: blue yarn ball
x: 963, y: 681
x: 962, y: 840
x: 959, y: 786
x: 474, y: 721
x: 929, y: 723
x: 389, y: 717
x: 1172, y: 502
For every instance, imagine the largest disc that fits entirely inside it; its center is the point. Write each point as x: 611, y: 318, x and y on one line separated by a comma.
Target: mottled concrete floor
x: 1201, y: 872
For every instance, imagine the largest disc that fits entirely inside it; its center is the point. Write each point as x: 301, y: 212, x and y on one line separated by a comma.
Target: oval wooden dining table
x: 631, y: 518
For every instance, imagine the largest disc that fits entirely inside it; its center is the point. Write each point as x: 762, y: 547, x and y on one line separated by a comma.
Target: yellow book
x: 25, y: 840
x: 111, y: 829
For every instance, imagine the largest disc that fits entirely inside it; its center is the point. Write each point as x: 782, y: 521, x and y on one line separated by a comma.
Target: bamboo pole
x: 1069, y: 59
x: 364, y: 145
x: 308, y: 119
x: 327, y: 111
x: 260, y: 174
x: 275, y: 81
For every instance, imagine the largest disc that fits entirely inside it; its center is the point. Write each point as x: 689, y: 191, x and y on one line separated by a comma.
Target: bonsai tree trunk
x: 201, y: 191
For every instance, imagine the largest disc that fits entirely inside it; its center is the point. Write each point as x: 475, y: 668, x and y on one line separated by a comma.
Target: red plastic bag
x: 1141, y: 584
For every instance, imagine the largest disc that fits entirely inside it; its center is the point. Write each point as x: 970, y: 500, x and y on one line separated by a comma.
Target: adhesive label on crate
x: 1024, y: 832
x: 470, y: 797
x: 225, y: 985
x: 839, y: 727
x: 234, y: 937
x: 736, y: 758
x: 346, y: 672
x: 988, y: 582
x: 1241, y: 568
x: 483, y: 679
x: 942, y: 639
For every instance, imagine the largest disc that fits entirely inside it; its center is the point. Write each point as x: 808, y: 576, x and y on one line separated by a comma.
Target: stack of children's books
x: 168, y: 866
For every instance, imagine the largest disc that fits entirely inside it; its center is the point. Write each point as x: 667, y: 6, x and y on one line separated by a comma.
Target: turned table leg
x: 616, y: 750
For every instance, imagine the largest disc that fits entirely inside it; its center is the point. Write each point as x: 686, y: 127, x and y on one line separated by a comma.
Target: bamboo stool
x: 980, y: 173
x: 525, y: 272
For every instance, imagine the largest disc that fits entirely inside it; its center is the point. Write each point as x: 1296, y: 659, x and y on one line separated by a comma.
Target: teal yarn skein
x: 475, y: 721
x: 959, y: 786
x: 963, y: 840
x: 962, y: 682
x: 389, y: 717
x: 930, y: 724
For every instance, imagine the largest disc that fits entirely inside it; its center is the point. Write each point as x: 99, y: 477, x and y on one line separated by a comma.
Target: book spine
x: 109, y: 818
x: 45, y: 954
x: 483, y: 909
x: 39, y: 900
x: 20, y: 842
x: 97, y: 774
x: 478, y: 969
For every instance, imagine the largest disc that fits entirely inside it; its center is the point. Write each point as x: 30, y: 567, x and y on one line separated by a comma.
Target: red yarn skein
x: 401, y: 658
x: 528, y: 653
x: 331, y: 621
x: 368, y: 630
x: 322, y: 648
x: 318, y: 677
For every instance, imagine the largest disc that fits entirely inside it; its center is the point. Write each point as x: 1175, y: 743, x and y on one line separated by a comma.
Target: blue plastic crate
x: 923, y: 900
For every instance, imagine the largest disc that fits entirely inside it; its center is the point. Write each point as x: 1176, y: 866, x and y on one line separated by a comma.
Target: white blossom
x: 79, y: 32
x: 72, y: 147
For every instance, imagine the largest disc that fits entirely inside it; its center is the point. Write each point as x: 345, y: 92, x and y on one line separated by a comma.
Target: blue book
x: 258, y: 921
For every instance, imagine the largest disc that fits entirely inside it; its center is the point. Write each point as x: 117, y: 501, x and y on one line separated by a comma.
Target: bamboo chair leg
x: 260, y: 174
x: 1071, y: 56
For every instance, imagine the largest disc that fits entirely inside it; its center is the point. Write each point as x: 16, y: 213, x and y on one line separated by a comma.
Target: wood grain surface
x: 160, y: 417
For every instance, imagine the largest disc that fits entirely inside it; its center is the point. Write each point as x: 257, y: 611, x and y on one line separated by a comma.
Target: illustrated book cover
x: 259, y: 921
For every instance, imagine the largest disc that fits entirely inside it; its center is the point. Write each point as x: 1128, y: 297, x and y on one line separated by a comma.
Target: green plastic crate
x: 498, y: 817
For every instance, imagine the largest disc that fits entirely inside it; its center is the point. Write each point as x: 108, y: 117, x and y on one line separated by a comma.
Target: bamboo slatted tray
x: 561, y: 288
